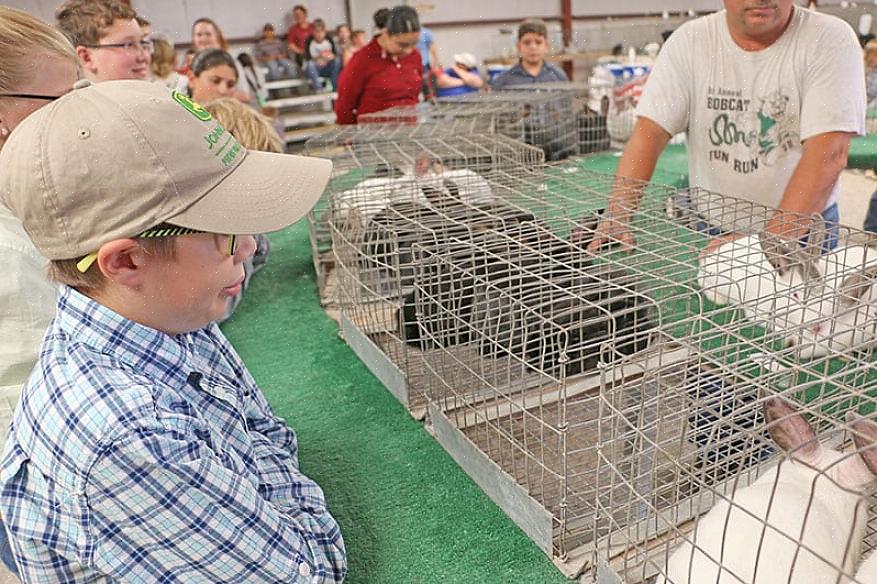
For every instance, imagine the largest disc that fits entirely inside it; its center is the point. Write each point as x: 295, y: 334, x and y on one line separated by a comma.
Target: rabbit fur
x: 795, y: 490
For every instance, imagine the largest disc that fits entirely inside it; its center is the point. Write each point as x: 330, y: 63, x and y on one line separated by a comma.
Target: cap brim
x: 265, y: 192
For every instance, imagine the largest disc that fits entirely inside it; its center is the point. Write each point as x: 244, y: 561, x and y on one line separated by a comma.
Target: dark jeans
x: 6, y: 551
x: 871, y: 217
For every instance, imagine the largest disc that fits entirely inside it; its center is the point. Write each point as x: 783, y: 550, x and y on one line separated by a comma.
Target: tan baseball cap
x: 111, y: 160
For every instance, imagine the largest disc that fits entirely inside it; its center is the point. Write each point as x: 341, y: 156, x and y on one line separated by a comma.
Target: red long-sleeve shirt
x: 373, y: 81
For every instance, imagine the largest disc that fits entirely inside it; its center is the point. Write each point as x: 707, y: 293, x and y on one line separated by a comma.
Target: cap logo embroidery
x: 194, y: 108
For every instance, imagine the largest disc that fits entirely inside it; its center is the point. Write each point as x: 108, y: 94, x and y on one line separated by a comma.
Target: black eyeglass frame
x: 31, y: 96
x: 147, y: 45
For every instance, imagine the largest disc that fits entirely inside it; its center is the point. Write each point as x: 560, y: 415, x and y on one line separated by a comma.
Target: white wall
x: 236, y: 18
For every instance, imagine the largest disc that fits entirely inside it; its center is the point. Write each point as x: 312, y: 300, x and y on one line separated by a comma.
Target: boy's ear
x: 85, y: 60
x: 122, y: 261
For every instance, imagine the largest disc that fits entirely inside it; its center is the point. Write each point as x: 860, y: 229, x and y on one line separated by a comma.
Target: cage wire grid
x: 481, y: 116
x: 386, y: 196
x: 536, y: 414
x: 591, y: 131
x: 368, y: 158
x: 546, y: 119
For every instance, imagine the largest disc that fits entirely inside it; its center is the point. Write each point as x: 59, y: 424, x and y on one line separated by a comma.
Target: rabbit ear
x: 865, y: 440
x: 790, y: 431
x: 854, y: 286
x: 781, y: 254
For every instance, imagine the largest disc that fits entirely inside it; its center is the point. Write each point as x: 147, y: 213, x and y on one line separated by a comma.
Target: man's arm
x: 170, y: 503
x: 824, y: 158
x: 637, y: 164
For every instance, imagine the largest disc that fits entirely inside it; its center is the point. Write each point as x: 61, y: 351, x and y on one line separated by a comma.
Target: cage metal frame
x: 593, y: 136
x: 368, y: 268
x: 503, y: 424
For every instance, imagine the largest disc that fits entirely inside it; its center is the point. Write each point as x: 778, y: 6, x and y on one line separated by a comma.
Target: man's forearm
x: 637, y: 164
x: 809, y: 189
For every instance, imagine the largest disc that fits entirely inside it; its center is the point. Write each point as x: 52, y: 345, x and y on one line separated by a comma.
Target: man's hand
x: 609, y: 231
x: 716, y: 242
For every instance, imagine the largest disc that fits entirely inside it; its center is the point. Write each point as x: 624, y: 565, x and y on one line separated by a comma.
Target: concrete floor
x: 856, y: 189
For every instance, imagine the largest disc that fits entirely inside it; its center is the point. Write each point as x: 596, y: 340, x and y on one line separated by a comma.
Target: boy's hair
x: 22, y: 38
x: 533, y: 26
x: 357, y: 32
x: 268, y: 26
x: 380, y: 17
x: 319, y: 23
x: 300, y: 7
x: 86, y: 21
x: 402, y: 19
x: 93, y: 280
x: 209, y: 58
x: 223, y: 44
x: 253, y: 130
x: 163, y: 58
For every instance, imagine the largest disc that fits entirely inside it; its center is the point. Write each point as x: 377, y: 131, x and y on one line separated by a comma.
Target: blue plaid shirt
x: 138, y: 456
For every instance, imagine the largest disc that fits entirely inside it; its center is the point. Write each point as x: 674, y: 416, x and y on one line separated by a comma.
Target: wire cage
x: 453, y: 117
x: 385, y: 197
x: 607, y: 383
x: 545, y: 119
x: 356, y: 155
x: 591, y: 125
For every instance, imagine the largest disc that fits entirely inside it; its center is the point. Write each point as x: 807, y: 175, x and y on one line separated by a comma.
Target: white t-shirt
x: 748, y: 112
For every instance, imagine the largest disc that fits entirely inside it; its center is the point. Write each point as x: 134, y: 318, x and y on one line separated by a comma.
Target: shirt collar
x: 156, y: 354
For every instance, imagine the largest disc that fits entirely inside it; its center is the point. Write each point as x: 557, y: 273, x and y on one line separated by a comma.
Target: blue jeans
x: 282, y: 69
x: 330, y: 70
x: 871, y: 217
x: 831, y: 215
x: 6, y: 551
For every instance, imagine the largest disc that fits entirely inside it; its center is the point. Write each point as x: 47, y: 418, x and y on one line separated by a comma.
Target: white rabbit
x: 373, y: 195
x: 844, y: 316
x: 800, y: 500
x: 471, y: 187
x: 763, y: 274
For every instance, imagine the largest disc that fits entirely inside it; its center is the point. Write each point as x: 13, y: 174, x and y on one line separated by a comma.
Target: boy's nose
x: 246, y: 247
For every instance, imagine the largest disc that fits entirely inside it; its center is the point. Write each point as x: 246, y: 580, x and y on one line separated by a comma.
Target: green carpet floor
x: 407, y: 512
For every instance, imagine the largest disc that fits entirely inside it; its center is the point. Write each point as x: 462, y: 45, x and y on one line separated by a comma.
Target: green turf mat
x: 407, y: 512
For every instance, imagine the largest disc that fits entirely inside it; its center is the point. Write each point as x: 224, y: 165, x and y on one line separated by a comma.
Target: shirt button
x: 304, y: 569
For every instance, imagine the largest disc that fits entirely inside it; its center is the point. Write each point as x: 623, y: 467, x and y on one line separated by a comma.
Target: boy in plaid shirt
x: 142, y: 450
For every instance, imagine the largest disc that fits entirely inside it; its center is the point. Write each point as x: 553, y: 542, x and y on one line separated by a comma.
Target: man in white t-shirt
x: 770, y: 95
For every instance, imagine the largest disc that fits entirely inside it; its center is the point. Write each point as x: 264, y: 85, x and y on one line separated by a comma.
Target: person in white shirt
x: 770, y: 94
x: 39, y: 65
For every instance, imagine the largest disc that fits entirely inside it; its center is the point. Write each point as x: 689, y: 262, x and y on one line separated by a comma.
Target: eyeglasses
x: 30, y: 96
x: 131, y: 47
x: 160, y: 231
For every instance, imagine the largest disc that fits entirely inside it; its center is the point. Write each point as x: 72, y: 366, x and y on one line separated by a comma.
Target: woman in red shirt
x: 386, y: 72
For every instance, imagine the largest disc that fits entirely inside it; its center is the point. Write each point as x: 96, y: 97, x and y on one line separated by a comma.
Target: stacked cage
x: 522, y: 323
x: 452, y: 117
x: 545, y: 119
x: 384, y: 198
x: 591, y: 125
x: 749, y: 458
x: 603, y: 400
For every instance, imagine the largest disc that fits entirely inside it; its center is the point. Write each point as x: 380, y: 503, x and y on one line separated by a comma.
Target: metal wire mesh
x: 478, y: 115
x: 592, y: 134
x: 545, y: 119
x: 618, y: 390
x: 369, y: 161
x: 385, y: 197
